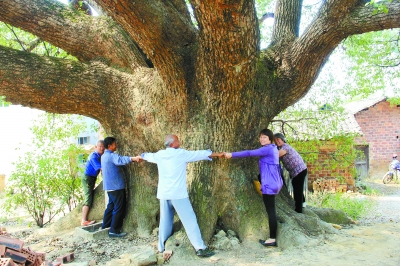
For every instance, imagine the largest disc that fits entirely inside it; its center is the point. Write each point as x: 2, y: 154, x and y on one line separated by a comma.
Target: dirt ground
x: 374, y: 240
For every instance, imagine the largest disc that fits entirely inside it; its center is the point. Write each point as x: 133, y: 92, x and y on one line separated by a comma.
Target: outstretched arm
x: 216, y: 154
x: 247, y: 153
x: 137, y: 159
x: 148, y: 156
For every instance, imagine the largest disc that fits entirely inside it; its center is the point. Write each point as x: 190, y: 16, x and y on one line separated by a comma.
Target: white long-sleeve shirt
x: 171, y: 165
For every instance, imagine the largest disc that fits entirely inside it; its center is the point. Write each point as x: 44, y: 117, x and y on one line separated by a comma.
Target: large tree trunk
x: 147, y: 71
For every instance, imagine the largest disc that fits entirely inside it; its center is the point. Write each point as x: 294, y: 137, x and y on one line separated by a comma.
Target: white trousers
x: 184, y: 209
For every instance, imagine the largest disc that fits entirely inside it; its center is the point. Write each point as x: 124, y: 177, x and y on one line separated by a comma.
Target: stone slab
x: 91, y: 232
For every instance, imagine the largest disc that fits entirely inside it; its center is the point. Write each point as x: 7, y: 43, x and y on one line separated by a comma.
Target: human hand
x: 216, y: 154
x: 227, y: 155
x: 137, y: 159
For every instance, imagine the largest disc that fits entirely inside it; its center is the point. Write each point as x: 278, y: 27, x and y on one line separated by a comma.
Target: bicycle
x: 394, y: 171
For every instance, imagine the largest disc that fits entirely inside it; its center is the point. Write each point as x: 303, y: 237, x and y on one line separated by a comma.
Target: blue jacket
x: 93, y: 164
x: 113, y: 176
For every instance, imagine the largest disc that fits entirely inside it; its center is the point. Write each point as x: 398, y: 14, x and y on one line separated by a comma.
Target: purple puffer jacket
x: 271, y: 180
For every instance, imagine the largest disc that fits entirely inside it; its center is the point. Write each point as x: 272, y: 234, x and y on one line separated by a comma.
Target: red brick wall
x: 380, y: 125
x: 322, y: 169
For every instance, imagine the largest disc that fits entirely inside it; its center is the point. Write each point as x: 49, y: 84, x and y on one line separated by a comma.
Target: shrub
x: 354, y: 207
x: 46, y: 180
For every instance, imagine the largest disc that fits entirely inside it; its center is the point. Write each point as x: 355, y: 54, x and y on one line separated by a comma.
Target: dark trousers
x: 269, y: 202
x: 115, y: 211
x: 298, y: 188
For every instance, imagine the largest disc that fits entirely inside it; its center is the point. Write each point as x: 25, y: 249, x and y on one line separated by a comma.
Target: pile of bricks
x: 13, y: 253
x: 325, y: 185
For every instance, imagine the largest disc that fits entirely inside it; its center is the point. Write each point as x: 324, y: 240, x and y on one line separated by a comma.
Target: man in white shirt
x: 172, y: 191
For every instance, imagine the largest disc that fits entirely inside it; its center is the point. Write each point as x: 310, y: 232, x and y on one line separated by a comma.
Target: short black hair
x: 109, y: 141
x: 280, y: 136
x: 269, y: 133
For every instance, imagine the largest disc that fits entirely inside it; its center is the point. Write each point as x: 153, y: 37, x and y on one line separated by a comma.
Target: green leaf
x: 47, y: 179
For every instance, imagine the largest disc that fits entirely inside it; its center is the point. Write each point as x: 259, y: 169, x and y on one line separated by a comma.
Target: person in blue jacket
x: 114, y: 184
x: 92, y: 170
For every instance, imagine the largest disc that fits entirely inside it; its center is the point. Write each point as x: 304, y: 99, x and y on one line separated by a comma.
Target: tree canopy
x: 159, y: 35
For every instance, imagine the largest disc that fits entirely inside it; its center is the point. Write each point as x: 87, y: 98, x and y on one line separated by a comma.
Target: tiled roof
x: 325, y: 124
x: 355, y: 107
x: 320, y: 125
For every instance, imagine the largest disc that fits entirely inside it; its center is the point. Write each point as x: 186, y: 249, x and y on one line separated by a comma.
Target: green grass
x: 371, y: 192
x: 352, y: 206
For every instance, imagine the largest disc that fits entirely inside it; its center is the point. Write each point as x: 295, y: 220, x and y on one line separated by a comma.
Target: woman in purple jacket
x: 271, y: 180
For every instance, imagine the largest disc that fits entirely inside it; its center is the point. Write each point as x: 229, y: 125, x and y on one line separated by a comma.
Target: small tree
x: 72, y: 182
x: 46, y: 179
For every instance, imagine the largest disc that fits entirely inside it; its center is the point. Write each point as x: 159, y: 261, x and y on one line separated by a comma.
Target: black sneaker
x: 204, y: 252
x: 116, y: 235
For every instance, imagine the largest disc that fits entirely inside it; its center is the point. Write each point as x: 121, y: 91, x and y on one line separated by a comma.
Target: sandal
x: 86, y: 223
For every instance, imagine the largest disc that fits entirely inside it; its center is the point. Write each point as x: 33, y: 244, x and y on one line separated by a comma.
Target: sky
x: 15, y: 122
x: 15, y: 133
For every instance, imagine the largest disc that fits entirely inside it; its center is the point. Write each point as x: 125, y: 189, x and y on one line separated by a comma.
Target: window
x: 83, y: 140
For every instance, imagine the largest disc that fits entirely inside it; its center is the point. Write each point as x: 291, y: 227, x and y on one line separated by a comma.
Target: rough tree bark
x: 147, y: 70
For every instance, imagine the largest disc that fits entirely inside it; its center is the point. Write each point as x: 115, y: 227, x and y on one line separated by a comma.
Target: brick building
x: 380, y: 124
x: 377, y: 124
x: 324, y: 135
x: 321, y: 177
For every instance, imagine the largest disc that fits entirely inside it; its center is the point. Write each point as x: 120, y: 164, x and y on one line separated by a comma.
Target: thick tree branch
x: 287, y: 20
x: 339, y: 19
x: 172, y: 33
x: 336, y: 20
x: 362, y: 20
x: 318, y: 36
x: 63, y: 86
x: 81, y: 35
x: 222, y: 24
